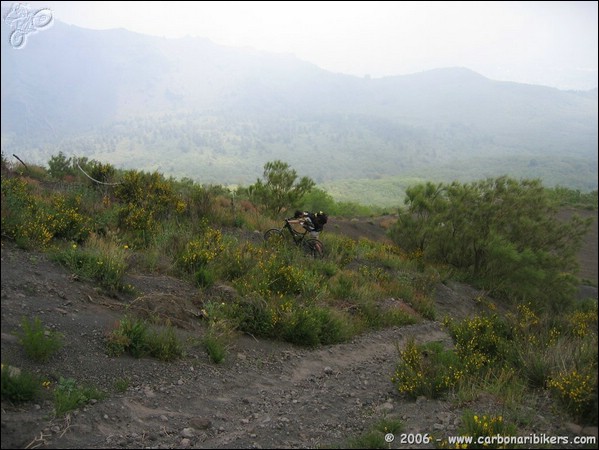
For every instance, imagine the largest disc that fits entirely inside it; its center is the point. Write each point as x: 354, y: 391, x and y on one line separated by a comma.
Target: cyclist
x: 313, y: 222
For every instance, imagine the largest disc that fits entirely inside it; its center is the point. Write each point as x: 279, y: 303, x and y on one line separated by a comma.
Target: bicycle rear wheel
x: 314, y: 248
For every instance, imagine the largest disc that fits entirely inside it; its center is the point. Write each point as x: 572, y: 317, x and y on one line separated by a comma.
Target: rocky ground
x: 264, y: 395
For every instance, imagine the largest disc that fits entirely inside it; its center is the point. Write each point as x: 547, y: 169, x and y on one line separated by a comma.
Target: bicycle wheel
x: 314, y: 248
x: 273, y: 237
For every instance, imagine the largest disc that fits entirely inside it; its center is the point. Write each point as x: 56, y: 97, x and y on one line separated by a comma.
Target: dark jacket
x: 312, y: 222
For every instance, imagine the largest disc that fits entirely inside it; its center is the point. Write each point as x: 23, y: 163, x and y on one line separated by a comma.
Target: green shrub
x: 427, y: 370
x: 577, y: 392
x: 205, y: 277
x: 19, y: 386
x: 334, y: 326
x: 375, y: 436
x: 201, y: 251
x: 65, y: 220
x: 164, y: 345
x: 215, y: 346
x: 122, y: 384
x: 341, y: 250
x: 100, y: 260
x: 34, y: 220
x: 424, y: 305
x: 311, y: 326
x: 23, y: 215
x: 69, y: 396
x: 136, y: 330
x: 252, y: 316
x: 487, y: 428
x: 482, y: 340
x: 39, y: 343
x: 129, y: 335
x: 281, y: 277
x: 536, y: 364
x: 302, y: 327
x: 240, y: 259
x: 343, y: 286
x: 305, y: 325
x: 373, y: 316
x: 60, y: 166
x: 134, y: 337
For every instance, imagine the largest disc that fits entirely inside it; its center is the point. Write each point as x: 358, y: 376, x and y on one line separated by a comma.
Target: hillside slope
x: 264, y: 395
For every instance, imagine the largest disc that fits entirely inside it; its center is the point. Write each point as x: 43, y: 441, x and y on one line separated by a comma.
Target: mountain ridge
x: 193, y: 108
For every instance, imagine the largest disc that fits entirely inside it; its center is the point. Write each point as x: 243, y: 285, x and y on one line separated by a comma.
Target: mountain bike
x: 311, y: 246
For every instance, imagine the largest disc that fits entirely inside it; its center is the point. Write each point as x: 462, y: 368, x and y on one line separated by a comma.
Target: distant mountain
x: 216, y: 114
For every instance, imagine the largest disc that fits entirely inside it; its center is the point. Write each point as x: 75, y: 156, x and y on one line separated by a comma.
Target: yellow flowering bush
x: 485, y: 430
x: 576, y: 391
x: 481, y: 340
x: 428, y: 370
x: 582, y: 323
x: 201, y: 251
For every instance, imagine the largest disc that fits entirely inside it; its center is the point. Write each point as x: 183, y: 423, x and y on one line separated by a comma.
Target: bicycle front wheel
x: 273, y: 237
x: 314, y: 248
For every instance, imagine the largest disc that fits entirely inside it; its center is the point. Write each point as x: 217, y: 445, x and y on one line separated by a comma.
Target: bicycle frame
x: 296, y: 235
x: 310, y: 245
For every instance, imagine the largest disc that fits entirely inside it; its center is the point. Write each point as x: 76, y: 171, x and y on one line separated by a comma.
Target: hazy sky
x: 548, y: 43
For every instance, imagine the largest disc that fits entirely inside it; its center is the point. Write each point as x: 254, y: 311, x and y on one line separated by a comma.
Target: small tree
x: 502, y: 232
x: 60, y: 166
x: 280, y: 187
x: 319, y: 199
x: 102, y: 172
